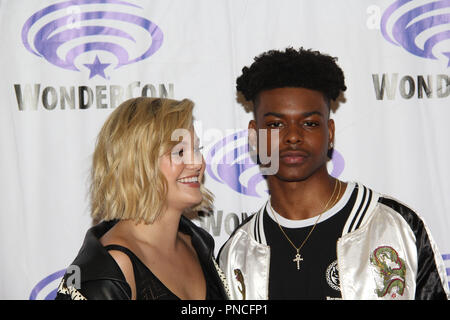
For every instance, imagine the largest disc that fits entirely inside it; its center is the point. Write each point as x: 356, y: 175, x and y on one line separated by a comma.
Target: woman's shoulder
x: 94, y: 272
x: 99, y: 289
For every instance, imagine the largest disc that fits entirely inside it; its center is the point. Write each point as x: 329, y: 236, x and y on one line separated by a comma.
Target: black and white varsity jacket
x: 385, y: 252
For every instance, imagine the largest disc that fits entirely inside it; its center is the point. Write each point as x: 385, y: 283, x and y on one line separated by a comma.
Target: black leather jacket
x: 101, y: 277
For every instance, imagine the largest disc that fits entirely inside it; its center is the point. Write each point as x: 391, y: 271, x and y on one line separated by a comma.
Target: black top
x: 149, y: 287
x: 102, y: 278
x: 318, y: 276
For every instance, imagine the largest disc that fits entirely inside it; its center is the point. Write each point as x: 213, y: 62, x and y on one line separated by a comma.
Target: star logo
x: 97, y: 68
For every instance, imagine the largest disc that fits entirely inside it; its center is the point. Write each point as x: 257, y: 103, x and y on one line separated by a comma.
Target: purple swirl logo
x: 422, y: 29
x: 229, y: 162
x: 446, y: 258
x: 46, y: 289
x: 65, y: 33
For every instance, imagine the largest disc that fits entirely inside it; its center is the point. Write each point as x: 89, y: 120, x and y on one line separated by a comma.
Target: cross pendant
x: 297, y: 259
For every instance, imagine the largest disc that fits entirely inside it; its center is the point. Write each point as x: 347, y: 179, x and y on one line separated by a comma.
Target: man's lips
x: 293, y: 157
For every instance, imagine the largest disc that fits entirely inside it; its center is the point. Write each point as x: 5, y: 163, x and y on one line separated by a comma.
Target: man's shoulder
x: 244, y: 225
x: 414, y: 220
x: 396, y: 205
x: 387, y: 204
x: 386, y: 199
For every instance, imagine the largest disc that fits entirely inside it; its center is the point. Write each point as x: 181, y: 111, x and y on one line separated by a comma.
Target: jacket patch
x: 332, y: 276
x: 240, y: 278
x: 391, y: 271
x: 70, y: 291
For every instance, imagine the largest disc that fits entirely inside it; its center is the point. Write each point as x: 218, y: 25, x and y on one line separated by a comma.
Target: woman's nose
x: 194, y: 159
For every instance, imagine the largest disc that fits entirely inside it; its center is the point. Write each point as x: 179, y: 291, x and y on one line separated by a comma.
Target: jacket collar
x: 202, y: 241
x: 95, y: 262
x: 366, y: 201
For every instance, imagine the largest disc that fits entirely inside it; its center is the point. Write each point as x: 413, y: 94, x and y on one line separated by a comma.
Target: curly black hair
x: 302, y: 68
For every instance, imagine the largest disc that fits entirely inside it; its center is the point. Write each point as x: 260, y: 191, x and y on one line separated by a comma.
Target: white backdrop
x: 65, y: 65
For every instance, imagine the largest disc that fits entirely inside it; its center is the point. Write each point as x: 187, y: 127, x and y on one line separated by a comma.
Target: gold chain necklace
x: 298, y: 257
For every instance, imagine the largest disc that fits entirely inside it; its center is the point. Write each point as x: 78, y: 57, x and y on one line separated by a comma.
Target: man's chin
x: 298, y: 173
x: 290, y: 177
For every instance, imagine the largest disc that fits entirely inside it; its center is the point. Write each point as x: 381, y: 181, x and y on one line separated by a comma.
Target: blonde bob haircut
x: 126, y: 182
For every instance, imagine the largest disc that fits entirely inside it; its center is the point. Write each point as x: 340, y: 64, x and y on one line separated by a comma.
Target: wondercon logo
x: 46, y: 289
x: 421, y: 28
x: 229, y: 162
x: 68, y: 34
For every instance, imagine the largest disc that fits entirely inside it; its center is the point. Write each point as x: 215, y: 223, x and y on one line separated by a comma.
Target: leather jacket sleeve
x: 96, y: 290
x: 106, y: 290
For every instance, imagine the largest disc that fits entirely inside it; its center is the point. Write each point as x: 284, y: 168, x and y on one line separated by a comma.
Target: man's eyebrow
x: 305, y: 114
x: 310, y: 113
x: 279, y: 115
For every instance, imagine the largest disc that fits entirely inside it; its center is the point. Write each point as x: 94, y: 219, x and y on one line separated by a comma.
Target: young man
x: 318, y: 237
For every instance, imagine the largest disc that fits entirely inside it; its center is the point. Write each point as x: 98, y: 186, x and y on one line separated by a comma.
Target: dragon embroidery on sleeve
x: 392, y: 270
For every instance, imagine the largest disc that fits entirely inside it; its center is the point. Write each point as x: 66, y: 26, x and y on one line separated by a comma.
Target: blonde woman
x: 147, y: 172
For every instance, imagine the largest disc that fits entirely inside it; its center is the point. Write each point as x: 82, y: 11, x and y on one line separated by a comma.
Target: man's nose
x: 293, y: 135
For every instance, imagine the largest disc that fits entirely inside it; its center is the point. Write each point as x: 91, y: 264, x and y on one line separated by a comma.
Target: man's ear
x: 253, y: 142
x: 252, y: 135
x: 330, y: 133
x: 330, y: 138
